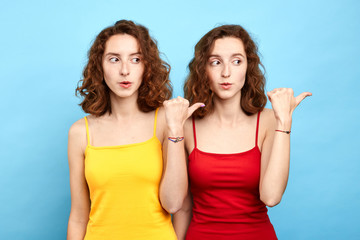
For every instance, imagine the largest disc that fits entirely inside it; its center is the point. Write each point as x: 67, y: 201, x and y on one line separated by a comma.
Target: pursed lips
x: 225, y: 85
x: 125, y: 84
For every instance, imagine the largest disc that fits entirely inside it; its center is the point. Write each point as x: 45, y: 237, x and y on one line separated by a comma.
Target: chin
x: 226, y: 96
x: 123, y: 94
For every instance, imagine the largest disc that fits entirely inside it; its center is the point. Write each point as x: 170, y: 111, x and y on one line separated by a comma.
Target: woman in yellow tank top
x: 126, y: 159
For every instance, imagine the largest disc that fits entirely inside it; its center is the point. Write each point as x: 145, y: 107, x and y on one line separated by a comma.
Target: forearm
x: 174, y: 184
x: 181, y: 222
x: 276, y: 174
x: 76, y: 229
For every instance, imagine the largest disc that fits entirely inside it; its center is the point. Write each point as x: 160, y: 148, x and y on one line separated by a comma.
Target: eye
x: 135, y: 60
x: 214, y: 62
x: 113, y: 59
x: 237, y: 62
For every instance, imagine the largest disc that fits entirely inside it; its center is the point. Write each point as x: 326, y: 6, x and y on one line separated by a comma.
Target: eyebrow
x: 118, y: 55
x: 233, y: 55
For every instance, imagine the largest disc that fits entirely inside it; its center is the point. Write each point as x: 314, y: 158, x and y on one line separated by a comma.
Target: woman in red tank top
x: 238, y: 159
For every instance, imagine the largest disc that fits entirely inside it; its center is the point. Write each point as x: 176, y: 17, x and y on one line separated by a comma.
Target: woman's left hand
x: 284, y: 102
x: 177, y: 110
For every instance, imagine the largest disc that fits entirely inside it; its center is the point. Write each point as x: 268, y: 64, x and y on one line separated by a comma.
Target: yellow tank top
x: 124, y: 191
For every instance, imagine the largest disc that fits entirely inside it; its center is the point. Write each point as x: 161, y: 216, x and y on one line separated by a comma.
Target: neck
x: 124, y: 107
x: 228, y: 111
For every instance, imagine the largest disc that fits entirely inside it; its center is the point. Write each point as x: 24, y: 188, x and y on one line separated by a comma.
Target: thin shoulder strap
x: 257, y: 128
x: 194, y: 130
x: 87, y: 131
x: 156, y: 112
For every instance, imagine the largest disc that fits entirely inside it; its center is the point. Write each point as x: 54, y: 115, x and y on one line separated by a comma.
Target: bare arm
x: 275, y: 161
x: 182, y: 218
x: 275, y: 157
x: 174, y: 184
x: 80, y: 200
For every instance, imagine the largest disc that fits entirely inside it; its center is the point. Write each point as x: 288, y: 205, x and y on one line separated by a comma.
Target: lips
x: 225, y: 85
x: 125, y: 84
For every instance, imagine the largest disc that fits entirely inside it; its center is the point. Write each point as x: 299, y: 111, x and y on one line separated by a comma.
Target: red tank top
x: 226, y: 198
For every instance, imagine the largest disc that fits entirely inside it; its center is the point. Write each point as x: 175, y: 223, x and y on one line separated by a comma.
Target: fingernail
x: 202, y: 105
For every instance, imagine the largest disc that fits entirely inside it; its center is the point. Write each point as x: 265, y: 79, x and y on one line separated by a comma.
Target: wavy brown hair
x: 155, y: 87
x: 197, y: 86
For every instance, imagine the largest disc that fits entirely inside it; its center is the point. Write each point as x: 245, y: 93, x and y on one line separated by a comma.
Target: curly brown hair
x: 155, y: 87
x: 197, y: 85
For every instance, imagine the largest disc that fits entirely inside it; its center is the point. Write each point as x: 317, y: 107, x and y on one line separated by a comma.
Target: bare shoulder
x: 188, y: 128
x: 161, y: 114
x: 161, y: 120
x: 189, y: 135
x: 188, y: 124
x: 267, y: 118
x: 160, y: 123
x: 267, y: 125
x: 77, y: 135
x: 78, y: 128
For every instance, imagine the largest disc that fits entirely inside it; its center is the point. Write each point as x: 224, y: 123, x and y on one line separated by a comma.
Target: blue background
x: 309, y: 46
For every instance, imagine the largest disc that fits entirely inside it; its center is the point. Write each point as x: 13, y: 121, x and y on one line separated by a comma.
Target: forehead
x: 228, y: 45
x: 122, y: 43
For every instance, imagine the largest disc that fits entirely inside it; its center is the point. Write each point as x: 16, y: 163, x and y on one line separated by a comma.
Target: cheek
x: 139, y: 71
x: 241, y: 73
x: 106, y: 76
x: 107, y: 71
x: 244, y: 70
x: 107, y: 82
x: 211, y: 77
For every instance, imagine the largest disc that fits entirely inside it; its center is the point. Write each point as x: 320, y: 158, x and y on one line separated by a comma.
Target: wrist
x: 175, y: 131
x: 284, y: 124
x: 175, y: 139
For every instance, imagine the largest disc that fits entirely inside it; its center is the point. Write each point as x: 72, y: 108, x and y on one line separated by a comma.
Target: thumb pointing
x: 194, y: 107
x: 301, y: 97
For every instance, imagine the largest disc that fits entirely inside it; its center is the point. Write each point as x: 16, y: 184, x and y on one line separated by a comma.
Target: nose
x: 124, y: 71
x: 225, y: 73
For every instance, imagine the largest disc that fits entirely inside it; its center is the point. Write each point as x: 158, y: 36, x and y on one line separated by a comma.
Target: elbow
x: 173, y: 206
x: 271, y: 201
x: 173, y: 210
x: 172, y: 203
x: 271, y: 196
